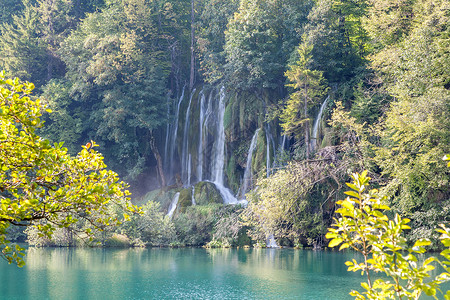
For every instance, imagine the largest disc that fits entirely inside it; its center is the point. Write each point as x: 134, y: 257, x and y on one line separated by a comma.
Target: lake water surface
x: 191, y: 273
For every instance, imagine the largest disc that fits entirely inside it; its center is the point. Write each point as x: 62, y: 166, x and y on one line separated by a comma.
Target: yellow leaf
x: 335, y: 242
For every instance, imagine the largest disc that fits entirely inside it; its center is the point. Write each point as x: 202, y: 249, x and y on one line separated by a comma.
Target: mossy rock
x: 185, y: 199
x: 206, y: 193
x: 164, y: 198
x: 150, y: 196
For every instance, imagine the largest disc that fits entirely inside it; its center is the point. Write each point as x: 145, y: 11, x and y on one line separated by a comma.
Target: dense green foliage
x: 41, y: 184
x: 113, y: 71
x: 363, y: 226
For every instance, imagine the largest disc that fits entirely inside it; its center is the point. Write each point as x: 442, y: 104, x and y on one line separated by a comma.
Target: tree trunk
x: 159, y: 163
x: 192, y: 75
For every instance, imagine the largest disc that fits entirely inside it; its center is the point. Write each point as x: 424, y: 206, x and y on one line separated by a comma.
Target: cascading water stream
x: 267, y: 156
x: 270, y: 242
x: 219, y: 154
x: 193, y: 196
x: 185, y: 163
x: 175, y: 132
x: 200, y: 137
x: 247, y: 180
x: 173, y: 205
x: 189, y: 163
x: 219, y: 149
x: 315, y: 132
x: 166, y: 145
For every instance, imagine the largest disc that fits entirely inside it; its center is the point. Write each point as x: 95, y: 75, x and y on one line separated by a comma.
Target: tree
x: 23, y: 53
x: 337, y: 39
x: 43, y: 183
x: 259, y: 40
x: 296, y: 202
x: 118, y: 64
x: 363, y: 226
x: 9, y: 9
x: 211, y: 37
x: 56, y: 21
x: 309, y: 88
x: 387, y: 22
x: 414, y: 133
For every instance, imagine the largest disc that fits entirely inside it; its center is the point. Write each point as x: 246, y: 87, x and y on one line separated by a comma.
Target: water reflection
x: 65, y: 273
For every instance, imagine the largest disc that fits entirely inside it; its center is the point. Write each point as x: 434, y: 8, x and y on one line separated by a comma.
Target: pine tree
x: 309, y: 88
x: 23, y: 53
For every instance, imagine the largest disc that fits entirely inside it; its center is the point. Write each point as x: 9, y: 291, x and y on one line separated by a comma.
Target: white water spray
x: 173, y: 205
x: 248, y: 166
x: 314, y: 137
x: 185, y: 163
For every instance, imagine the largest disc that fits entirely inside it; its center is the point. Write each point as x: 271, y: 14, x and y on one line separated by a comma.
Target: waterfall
x: 219, y: 149
x: 219, y: 154
x: 173, y: 205
x: 166, y: 145
x: 185, y: 167
x: 209, y: 126
x: 270, y: 242
x: 314, y: 137
x: 175, y: 132
x: 267, y: 155
x: 269, y: 140
x: 189, y: 163
x: 209, y: 164
x: 200, y: 137
x: 283, y: 143
x: 193, y: 197
x: 248, y: 166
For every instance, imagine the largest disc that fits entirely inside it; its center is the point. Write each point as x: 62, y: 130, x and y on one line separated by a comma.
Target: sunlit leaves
x: 363, y: 226
x: 41, y: 182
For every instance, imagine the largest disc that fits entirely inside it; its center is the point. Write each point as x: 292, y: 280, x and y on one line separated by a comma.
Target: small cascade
x: 270, y: 242
x: 200, y: 137
x: 193, y: 198
x: 269, y: 141
x: 166, y: 145
x: 283, y: 143
x: 246, y: 182
x: 185, y: 164
x: 209, y: 134
x: 173, y: 205
x: 189, y: 170
x: 267, y: 156
x: 315, y: 133
x: 227, y: 196
x: 219, y: 149
x: 173, y: 139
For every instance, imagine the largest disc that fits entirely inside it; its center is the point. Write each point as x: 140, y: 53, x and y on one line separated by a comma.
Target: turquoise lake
x: 190, y: 273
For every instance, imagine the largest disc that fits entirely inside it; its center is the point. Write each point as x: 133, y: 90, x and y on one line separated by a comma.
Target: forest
x: 267, y: 105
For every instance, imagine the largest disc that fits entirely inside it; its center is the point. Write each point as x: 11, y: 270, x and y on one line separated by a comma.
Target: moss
x: 228, y: 116
x: 206, y: 193
x: 185, y: 199
x: 117, y: 240
x: 232, y: 173
x: 259, y: 157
